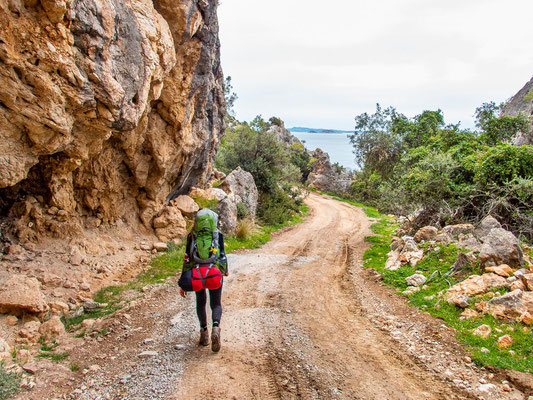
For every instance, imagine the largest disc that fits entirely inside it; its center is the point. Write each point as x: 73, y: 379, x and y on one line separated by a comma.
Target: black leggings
x: 215, y: 298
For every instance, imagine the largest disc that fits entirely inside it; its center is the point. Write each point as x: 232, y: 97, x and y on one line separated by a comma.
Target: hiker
x: 204, y: 266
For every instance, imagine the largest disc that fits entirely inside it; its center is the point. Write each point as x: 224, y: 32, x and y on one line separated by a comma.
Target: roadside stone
x: 393, y: 262
x: 501, y: 247
x: 502, y: 270
x: 147, y: 354
x: 469, y: 313
x: 88, y: 324
x: 426, y: 233
x: 160, y: 246
x: 241, y: 183
x: 483, y: 331
x: 527, y: 279
x: 473, y: 285
x: 58, y: 307
x: 410, y: 290
x: 416, y: 280
x: 12, y: 320
x: 526, y: 318
x: 512, y: 299
x: 14, y: 249
x: 21, y: 293
x: 485, y: 350
x: 443, y: 238
x: 455, y: 230
x: 53, y: 328
x: 518, y: 285
x: 89, y: 305
x: 4, y: 346
x: 76, y: 258
x: 505, y: 341
x: 487, y: 387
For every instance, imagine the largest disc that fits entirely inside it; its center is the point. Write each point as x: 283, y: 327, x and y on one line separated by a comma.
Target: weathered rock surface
x: 241, y: 183
x: 107, y: 109
x: 169, y: 224
x: 227, y: 212
x: 20, y: 294
x: 501, y: 247
x: 185, y: 204
x: 53, y: 328
x: 327, y: 177
x: 520, y: 104
x: 426, y: 233
x: 474, y: 284
x: 486, y: 225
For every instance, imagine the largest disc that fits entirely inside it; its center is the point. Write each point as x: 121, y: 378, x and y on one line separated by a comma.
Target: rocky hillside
x: 522, y: 102
x: 107, y: 110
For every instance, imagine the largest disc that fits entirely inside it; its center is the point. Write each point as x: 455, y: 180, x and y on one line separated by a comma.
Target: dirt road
x: 302, y: 320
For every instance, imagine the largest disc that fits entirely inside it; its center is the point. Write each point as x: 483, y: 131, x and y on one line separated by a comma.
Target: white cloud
x: 320, y: 64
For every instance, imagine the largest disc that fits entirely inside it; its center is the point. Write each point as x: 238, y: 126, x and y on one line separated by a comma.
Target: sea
x: 337, y: 145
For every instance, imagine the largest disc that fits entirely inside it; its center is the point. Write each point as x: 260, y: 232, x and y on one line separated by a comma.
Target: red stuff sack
x: 206, y: 277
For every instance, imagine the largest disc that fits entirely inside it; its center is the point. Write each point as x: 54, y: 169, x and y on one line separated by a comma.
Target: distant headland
x: 312, y: 130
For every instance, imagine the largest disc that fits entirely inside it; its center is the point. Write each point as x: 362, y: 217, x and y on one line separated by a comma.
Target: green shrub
x: 242, y: 210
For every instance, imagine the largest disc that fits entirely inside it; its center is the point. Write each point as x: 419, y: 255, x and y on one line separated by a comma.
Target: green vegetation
x: 74, y: 367
x: 53, y: 356
x: 277, y: 169
x: 436, y: 267
x: 9, y: 383
x: 453, y: 175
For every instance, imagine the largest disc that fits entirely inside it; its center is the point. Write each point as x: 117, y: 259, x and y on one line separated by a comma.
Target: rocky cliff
x: 522, y: 102
x: 108, y: 109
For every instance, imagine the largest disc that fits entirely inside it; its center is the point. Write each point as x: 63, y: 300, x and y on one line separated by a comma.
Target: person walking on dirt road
x: 204, y: 264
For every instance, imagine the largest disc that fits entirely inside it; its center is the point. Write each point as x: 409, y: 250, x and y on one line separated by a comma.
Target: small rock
x: 527, y: 279
x: 12, y: 320
x: 85, y: 286
x: 526, y: 318
x: 89, y: 305
x: 88, y: 324
x: 148, y: 341
x: 501, y: 270
x: 486, y: 387
x: 484, y: 350
x: 410, y: 290
x: 416, y: 280
x: 15, y: 249
x: 483, y: 331
x: 147, y: 354
x: 506, y: 387
x: 505, y: 341
x: 31, y: 368
x: 52, y: 328
x: 160, y: 246
x: 469, y: 313
x: 146, y: 247
x: 76, y: 258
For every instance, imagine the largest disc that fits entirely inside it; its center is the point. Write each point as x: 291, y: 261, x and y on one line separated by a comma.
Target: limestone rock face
x: 108, y: 108
x: 519, y: 103
x: 326, y: 176
x: 241, y: 183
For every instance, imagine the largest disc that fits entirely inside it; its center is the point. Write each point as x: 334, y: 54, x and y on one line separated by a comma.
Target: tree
x: 229, y: 96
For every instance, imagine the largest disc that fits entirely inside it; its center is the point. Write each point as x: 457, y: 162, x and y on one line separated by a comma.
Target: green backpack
x: 204, y: 246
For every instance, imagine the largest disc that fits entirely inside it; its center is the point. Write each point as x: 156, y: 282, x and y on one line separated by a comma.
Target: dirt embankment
x: 302, y: 319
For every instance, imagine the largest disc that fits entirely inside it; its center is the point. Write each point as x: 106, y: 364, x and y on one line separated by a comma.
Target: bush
x: 450, y: 174
x: 242, y: 210
x: 246, y: 228
x: 276, y: 207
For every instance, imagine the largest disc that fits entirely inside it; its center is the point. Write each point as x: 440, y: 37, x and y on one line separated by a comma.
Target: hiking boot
x: 215, y: 339
x: 204, y: 337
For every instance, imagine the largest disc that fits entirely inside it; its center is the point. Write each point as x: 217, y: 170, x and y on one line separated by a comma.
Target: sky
x: 319, y: 64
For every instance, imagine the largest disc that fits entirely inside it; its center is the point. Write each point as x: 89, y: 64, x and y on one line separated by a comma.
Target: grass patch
x: 74, y: 367
x: 9, y: 383
x: 436, y: 265
x: 53, y: 356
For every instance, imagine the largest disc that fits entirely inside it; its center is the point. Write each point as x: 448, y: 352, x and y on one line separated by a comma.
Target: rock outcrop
x: 522, y: 102
x: 241, y: 183
x: 108, y: 109
x: 327, y: 177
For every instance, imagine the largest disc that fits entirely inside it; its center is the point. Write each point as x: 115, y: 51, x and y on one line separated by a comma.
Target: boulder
x: 169, y: 224
x: 512, y: 299
x: 443, y: 238
x: 468, y: 241
x: 487, y: 224
x: 20, y: 294
x: 53, y: 328
x: 483, y: 331
x: 416, y: 280
x: 501, y: 247
x: 160, y: 246
x: 473, y: 285
x: 426, y: 233
x: 227, y: 212
x: 186, y: 205
x: 455, y: 230
x: 501, y: 270
x: 241, y: 183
